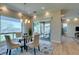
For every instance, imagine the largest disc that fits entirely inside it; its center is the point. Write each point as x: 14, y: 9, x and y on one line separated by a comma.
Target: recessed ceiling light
x: 68, y: 20
x: 34, y: 17
x: 75, y: 19
x: 47, y: 13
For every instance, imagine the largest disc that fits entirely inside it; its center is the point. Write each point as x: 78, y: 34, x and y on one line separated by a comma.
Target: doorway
x: 43, y: 28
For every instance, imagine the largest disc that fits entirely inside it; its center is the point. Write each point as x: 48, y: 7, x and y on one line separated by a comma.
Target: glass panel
x: 65, y: 27
x: 9, y: 26
x: 0, y: 28
x: 3, y: 37
x: 47, y: 28
x: 37, y: 26
x: 43, y: 28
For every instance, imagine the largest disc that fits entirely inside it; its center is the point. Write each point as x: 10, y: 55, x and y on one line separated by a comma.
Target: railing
x: 2, y: 36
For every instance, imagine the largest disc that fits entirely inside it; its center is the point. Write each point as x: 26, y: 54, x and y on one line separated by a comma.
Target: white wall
x: 71, y: 28
x: 56, y: 27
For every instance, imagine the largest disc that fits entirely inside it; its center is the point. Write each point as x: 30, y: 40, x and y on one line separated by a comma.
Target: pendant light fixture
x: 26, y: 20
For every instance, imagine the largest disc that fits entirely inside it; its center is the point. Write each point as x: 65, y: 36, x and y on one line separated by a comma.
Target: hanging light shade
x: 47, y: 13
x: 68, y: 20
x: 4, y: 8
x: 20, y: 14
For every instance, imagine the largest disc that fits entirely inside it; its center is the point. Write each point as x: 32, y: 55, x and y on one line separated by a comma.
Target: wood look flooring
x: 68, y: 47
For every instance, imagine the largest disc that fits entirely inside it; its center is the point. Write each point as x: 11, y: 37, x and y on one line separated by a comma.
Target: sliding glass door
x: 43, y: 28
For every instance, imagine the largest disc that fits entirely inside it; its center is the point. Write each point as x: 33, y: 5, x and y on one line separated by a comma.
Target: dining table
x: 24, y: 39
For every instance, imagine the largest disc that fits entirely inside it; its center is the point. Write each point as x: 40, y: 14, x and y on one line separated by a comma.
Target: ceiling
x: 72, y: 9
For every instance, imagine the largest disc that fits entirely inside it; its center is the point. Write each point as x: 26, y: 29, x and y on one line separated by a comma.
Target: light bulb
x: 26, y: 21
x: 34, y: 17
x: 47, y: 13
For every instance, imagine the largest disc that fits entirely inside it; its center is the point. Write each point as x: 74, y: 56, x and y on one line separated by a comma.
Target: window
x: 43, y: 28
x: 9, y: 26
x: 65, y: 27
x: 37, y: 26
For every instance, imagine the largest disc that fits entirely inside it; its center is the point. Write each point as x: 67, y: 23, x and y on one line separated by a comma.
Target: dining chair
x: 11, y: 45
x: 18, y: 35
x: 35, y: 43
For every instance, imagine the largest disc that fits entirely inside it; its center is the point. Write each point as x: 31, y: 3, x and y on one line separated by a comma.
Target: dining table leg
x: 25, y: 46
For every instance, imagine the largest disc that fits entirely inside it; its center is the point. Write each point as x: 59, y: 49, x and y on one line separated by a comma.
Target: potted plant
x: 30, y: 33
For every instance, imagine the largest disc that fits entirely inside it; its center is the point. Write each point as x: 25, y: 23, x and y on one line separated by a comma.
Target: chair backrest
x: 8, y: 41
x: 18, y: 35
x: 36, y: 40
